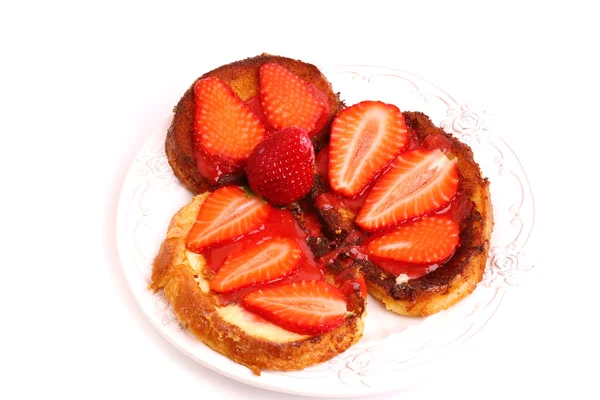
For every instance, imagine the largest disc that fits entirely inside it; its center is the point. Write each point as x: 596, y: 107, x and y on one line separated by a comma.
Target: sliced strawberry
x: 304, y: 307
x: 225, y: 126
x: 416, y: 183
x: 282, y: 167
x: 364, y: 139
x: 226, y: 213
x: 270, y: 260
x: 427, y: 240
x: 287, y: 100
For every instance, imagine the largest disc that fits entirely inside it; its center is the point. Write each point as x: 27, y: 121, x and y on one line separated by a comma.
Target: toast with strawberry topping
x: 228, y: 110
x: 420, y: 232
x: 255, y: 293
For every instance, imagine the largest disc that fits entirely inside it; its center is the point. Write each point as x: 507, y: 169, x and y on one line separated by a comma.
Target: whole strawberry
x: 281, y: 167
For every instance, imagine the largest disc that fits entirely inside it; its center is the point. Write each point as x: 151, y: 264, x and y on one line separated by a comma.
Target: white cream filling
x: 255, y: 325
x: 402, y: 278
x: 197, y: 263
x: 234, y: 314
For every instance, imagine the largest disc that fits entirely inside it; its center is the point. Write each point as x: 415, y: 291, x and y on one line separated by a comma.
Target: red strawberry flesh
x: 227, y: 213
x: 417, y: 182
x: 266, y: 262
x: 225, y: 130
x: 304, y: 307
x: 364, y: 139
x: 288, y: 101
x: 428, y: 240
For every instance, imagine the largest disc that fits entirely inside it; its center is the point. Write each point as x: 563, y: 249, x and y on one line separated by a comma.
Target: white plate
x: 395, y: 351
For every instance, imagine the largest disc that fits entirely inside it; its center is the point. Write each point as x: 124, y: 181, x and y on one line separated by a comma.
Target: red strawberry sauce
x: 280, y: 223
x: 214, y: 168
x: 457, y: 209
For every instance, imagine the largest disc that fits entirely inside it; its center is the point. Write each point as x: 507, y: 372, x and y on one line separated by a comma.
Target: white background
x: 82, y: 86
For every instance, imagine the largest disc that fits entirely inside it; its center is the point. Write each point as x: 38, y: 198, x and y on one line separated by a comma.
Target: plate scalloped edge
x: 151, y: 194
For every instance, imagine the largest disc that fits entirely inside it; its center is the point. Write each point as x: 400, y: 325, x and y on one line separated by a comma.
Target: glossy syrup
x: 457, y: 209
x: 280, y: 223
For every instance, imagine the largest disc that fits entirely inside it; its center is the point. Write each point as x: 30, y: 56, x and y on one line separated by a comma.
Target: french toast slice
x: 228, y: 328
x: 453, y: 280
x: 243, y: 78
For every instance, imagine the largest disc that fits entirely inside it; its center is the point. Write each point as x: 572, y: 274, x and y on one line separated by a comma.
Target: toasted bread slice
x: 243, y: 78
x: 453, y: 280
x: 231, y: 330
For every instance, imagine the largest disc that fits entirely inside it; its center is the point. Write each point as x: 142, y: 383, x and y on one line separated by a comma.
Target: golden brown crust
x: 198, y: 310
x: 457, y: 278
x: 242, y: 76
